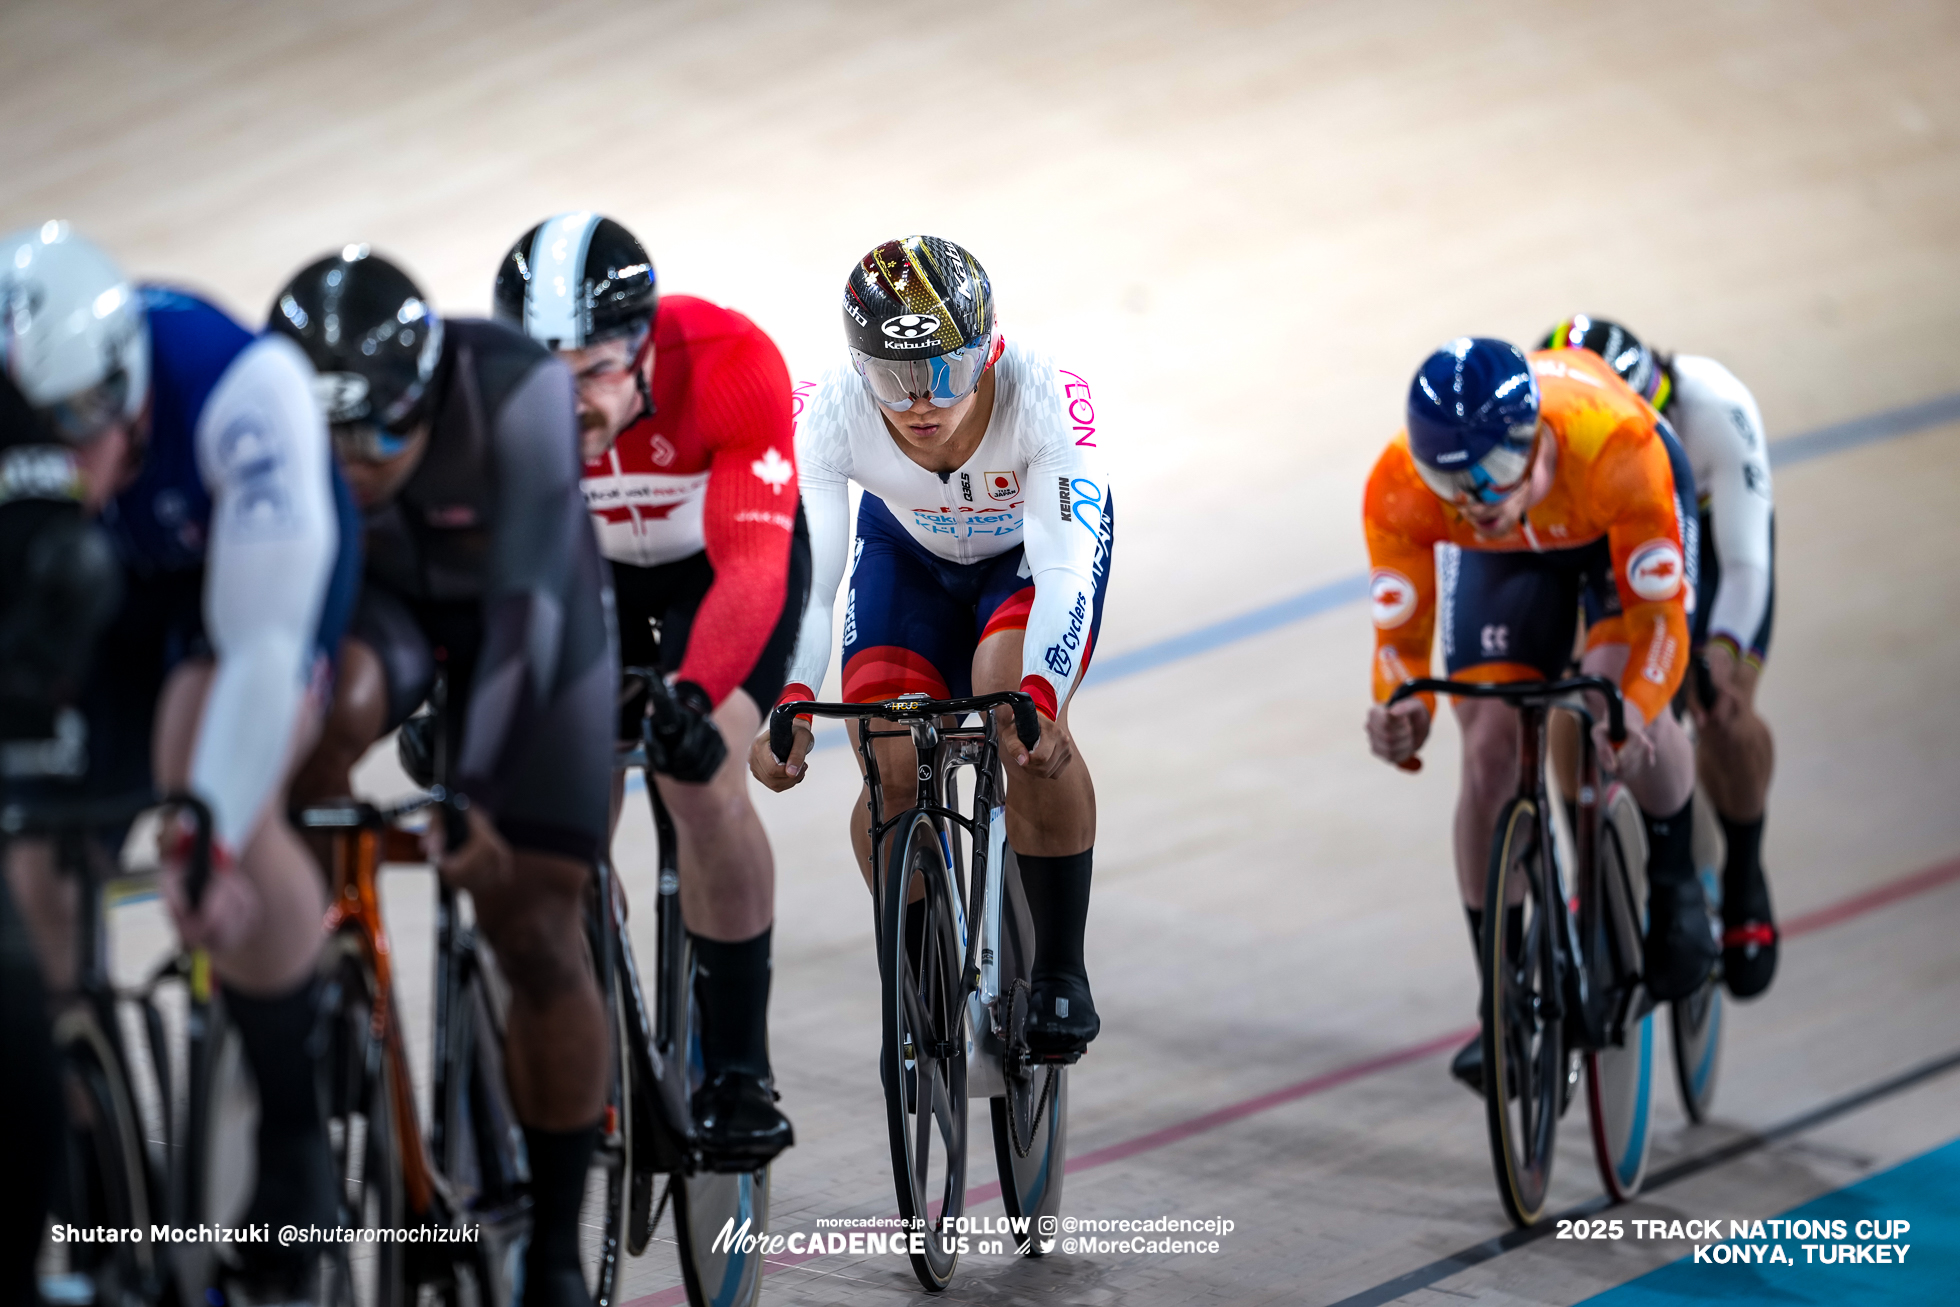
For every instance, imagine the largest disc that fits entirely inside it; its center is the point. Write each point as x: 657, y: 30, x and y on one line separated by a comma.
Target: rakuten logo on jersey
x: 1654, y: 571
x: 1393, y: 597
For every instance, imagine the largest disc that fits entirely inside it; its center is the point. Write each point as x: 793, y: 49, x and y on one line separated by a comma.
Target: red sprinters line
x: 1833, y: 914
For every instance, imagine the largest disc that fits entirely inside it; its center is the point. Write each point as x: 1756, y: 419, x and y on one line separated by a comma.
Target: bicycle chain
x: 1015, y: 1063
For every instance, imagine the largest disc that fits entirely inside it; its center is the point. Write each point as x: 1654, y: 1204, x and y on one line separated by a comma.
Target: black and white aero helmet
x: 576, y: 279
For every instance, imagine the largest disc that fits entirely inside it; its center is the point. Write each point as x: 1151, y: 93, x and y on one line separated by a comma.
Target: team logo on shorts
x: 909, y: 326
x: 1003, y: 485
x: 1393, y: 597
x: 1654, y: 571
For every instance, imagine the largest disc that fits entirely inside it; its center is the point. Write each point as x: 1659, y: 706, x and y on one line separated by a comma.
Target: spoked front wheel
x: 924, y: 1057
x: 1523, y: 1035
x: 1620, y: 1076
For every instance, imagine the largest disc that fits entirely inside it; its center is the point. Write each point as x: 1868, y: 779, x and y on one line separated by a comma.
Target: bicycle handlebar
x: 30, y: 818
x: 782, y: 718
x: 362, y: 815
x: 1519, y: 693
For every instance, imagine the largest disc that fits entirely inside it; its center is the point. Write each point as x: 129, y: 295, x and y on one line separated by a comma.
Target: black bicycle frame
x: 1597, y: 1012
x: 924, y: 722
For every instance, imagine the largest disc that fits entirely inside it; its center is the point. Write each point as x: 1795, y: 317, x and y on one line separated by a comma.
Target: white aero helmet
x: 73, y: 334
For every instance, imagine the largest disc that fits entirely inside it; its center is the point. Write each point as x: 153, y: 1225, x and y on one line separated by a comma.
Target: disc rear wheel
x: 1619, y: 1077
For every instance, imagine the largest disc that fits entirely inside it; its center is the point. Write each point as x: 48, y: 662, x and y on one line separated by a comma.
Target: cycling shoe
x: 1681, y: 944
x: 1062, y: 1018
x: 1749, y: 937
x: 737, y: 1122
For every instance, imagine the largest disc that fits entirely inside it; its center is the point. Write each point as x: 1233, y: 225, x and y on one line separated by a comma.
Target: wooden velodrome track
x: 1245, y: 224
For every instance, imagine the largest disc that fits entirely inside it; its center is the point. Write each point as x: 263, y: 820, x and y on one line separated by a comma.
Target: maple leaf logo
x: 774, y: 469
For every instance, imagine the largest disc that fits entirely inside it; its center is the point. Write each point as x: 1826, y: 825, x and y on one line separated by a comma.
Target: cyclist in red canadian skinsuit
x: 684, y: 413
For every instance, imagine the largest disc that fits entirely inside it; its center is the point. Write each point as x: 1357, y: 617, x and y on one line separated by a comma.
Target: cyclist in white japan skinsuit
x: 1721, y: 430
x: 980, y: 563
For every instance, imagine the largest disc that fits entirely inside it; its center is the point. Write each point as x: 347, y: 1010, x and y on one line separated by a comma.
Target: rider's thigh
x: 357, y: 717
x: 702, y: 809
x: 1490, y: 741
x: 997, y: 667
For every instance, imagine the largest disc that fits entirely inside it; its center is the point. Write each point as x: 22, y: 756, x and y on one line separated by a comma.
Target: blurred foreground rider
x: 460, y: 442
x: 202, y: 449
x: 690, y: 476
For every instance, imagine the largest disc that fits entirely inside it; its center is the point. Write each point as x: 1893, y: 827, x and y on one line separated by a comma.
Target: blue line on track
x: 1920, y: 1191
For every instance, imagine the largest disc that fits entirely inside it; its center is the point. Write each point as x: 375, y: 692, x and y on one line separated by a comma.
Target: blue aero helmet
x: 1473, y: 419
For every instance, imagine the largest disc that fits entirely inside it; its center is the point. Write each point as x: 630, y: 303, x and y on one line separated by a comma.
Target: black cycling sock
x: 1057, y: 890
x: 559, y: 1160
x: 1743, y: 875
x: 1671, y: 846
x: 280, y: 1036
x: 30, y: 1103
x: 732, y: 986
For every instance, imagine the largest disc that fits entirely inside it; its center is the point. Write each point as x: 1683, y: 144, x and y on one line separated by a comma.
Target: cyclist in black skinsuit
x: 460, y: 441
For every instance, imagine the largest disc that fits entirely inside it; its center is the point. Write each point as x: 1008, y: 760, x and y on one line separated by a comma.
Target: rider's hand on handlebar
x: 1631, y: 758
x: 1050, y: 756
x: 483, y: 863
x: 1397, y: 734
x: 231, y: 906
x: 682, y: 739
x: 779, y: 776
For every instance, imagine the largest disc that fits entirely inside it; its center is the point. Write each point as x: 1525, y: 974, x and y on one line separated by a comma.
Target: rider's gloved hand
x: 230, y: 909
x: 682, y: 739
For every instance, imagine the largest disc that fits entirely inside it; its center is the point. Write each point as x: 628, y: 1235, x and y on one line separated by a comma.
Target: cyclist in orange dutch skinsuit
x: 1549, y: 485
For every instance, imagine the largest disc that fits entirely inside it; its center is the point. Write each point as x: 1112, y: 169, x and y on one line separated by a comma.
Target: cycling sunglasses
x: 1492, y: 479
x: 943, y: 381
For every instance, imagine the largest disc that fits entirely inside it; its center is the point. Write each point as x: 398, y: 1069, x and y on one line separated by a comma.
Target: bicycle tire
x: 923, y: 1062
x: 108, y: 1174
x: 1523, y: 1039
x: 1030, y: 1121
x: 362, y: 1129
x: 221, y: 1141
x: 606, y: 1210
x: 1695, y: 1022
x: 1619, y: 1077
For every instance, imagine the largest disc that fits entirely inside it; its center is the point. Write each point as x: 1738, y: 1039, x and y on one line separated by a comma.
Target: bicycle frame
x: 939, y: 747
x: 1599, y: 1014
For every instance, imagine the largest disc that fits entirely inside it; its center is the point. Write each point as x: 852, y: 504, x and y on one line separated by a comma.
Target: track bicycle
x: 956, y: 980
x: 1563, y: 977
x: 657, y: 1067
x: 109, y: 1176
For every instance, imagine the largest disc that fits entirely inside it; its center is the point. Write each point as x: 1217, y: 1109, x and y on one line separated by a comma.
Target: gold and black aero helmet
x: 1623, y: 351
x: 576, y: 279
x: 919, y: 319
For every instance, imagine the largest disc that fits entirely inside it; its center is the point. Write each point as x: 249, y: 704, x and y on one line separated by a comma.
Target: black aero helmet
x: 370, y: 334
x: 576, y: 279
x: 1623, y: 351
x: 919, y: 318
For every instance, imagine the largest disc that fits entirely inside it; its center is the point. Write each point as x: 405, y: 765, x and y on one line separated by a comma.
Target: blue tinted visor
x: 1490, y: 480
x: 944, y: 380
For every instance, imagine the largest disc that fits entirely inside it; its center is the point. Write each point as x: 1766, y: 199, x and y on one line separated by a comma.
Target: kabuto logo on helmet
x: 342, y: 396
x: 910, y: 326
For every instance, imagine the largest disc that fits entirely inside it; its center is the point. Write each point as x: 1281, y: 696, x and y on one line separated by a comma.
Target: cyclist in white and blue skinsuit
x: 1721, y: 430
x: 980, y: 563
x: 202, y: 448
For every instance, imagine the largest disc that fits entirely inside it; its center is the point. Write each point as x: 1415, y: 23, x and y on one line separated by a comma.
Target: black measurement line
x: 1477, y: 1254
